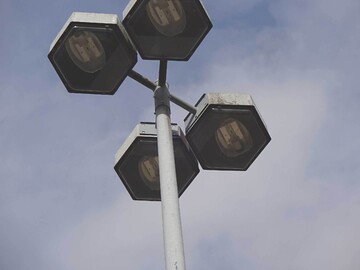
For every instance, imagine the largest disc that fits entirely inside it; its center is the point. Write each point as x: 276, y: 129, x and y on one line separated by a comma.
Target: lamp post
x: 94, y: 53
x: 173, y: 240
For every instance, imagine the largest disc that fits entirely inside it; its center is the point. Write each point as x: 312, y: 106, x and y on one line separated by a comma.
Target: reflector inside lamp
x: 149, y: 171
x: 86, y: 51
x: 167, y: 16
x: 233, y: 138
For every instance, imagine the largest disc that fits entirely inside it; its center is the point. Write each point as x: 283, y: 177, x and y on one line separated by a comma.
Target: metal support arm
x: 152, y: 86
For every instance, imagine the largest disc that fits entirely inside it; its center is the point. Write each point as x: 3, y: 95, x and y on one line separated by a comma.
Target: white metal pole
x: 173, y: 241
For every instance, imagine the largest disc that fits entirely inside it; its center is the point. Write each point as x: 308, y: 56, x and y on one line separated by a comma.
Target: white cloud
x: 125, y: 235
x: 270, y: 194
x: 275, y: 215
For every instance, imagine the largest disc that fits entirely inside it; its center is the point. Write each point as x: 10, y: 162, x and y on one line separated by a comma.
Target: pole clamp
x: 162, y: 97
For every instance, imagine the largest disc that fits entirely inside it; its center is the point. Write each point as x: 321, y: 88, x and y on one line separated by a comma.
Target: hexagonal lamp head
x: 227, y: 132
x: 166, y: 29
x: 92, y: 53
x: 137, y: 164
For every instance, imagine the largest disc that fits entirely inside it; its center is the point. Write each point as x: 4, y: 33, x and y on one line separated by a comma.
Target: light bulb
x: 149, y: 171
x: 86, y: 51
x: 233, y: 138
x: 167, y: 16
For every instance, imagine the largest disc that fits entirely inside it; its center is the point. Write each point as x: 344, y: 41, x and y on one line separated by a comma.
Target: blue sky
x: 62, y: 205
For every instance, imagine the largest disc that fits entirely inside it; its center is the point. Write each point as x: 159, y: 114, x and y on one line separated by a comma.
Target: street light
x: 227, y: 132
x: 137, y: 162
x: 92, y: 53
x: 166, y: 29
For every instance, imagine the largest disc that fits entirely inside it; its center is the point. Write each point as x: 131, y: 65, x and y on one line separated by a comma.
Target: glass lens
x: 228, y: 137
x: 167, y: 29
x: 94, y: 59
x: 139, y: 168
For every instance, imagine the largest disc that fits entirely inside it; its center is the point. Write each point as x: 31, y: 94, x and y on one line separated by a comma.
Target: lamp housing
x: 136, y: 162
x: 92, y: 54
x: 227, y: 132
x: 166, y: 29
